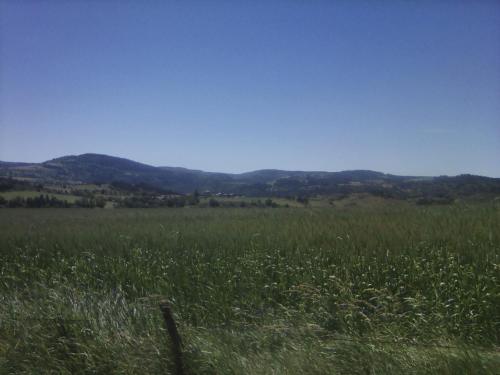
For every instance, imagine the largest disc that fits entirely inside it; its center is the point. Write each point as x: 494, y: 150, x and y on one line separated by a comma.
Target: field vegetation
x: 347, y: 289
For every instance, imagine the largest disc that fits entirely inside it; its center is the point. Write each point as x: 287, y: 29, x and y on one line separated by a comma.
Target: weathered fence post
x: 175, y: 338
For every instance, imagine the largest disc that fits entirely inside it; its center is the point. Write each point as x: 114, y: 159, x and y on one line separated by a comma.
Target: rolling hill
x: 96, y: 168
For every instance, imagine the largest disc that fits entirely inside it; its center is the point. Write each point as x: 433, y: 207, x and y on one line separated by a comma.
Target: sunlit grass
x: 254, y: 290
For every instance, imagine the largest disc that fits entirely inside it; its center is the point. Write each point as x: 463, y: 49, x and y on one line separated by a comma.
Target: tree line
x: 46, y: 201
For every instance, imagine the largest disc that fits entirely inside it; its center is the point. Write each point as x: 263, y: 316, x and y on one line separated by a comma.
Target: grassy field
x: 352, y: 290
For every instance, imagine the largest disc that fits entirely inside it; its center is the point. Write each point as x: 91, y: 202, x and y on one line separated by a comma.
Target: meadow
x: 351, y: 290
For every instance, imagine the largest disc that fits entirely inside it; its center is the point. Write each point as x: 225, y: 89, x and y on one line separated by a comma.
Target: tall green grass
x: 254, y: 290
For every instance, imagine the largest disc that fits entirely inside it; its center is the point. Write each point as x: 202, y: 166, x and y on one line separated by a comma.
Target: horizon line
x: 251, y: 171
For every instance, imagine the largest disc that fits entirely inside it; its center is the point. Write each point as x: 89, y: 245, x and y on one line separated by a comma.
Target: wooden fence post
x: 175, y: 338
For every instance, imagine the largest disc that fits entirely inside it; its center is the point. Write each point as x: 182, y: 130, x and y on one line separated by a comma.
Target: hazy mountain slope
x: 103, y: 168
x: 96, y: 168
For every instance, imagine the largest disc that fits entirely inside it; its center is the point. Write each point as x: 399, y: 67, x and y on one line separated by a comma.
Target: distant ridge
x: 101, y: 169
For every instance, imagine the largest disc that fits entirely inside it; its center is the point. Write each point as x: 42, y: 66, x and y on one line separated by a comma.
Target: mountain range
x: 104, y: 169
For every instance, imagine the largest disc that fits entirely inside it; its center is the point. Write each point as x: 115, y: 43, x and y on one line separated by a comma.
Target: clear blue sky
x: 408, y: 87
